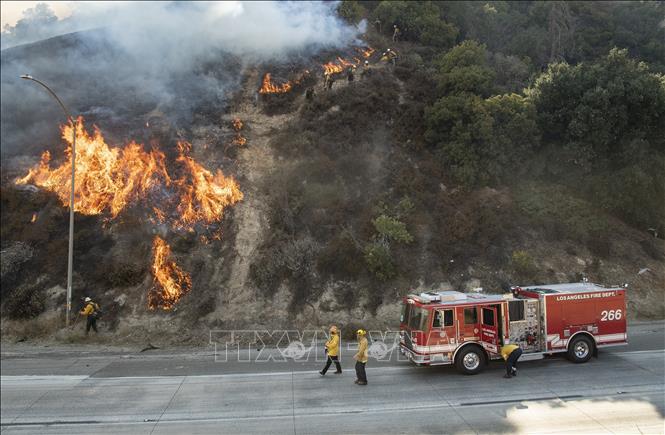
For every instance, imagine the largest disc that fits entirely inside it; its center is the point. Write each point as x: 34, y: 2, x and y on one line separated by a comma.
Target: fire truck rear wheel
x: 470, y: 360
x: 580, y: 349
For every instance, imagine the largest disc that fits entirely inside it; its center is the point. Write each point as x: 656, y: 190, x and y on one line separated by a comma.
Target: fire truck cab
x: 468, y: 329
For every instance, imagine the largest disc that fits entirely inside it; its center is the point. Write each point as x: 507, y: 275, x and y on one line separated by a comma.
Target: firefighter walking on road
x: 92, y: 312
x: 361, y: 357
x: 510, y: 353
x: 332, y: 351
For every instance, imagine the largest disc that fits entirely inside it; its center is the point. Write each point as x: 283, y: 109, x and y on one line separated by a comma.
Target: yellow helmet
x: 361, y: 332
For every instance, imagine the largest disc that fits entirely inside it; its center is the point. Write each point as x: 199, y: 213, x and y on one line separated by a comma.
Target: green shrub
x: 392, y: 229
x: 379, y: 261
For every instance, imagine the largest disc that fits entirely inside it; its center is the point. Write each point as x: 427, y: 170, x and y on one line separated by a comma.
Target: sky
x: 11, y: 12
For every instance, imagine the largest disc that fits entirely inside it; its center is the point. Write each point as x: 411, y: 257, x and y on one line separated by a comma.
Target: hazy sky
x: 13, y: 11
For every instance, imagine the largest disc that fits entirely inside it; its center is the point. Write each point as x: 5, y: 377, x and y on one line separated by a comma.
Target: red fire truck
x: 468, y: 329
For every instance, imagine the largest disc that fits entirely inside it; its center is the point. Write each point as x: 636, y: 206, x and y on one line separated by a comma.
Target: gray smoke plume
x: 115, y: 60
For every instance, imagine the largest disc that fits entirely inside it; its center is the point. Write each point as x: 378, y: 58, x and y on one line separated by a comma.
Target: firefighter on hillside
x: 395, y: 33
x: 361, y: 357
x: 350, y: 74
x: 332, y: 351
x: 390, y: 56
x: 92, y: 312
x: 366, y: 70
x: 510, y: 353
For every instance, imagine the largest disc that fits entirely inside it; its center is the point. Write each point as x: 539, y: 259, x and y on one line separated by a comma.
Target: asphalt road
x: 84, y: 391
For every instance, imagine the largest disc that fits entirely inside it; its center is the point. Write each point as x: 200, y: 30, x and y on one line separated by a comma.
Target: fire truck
x: 468, y: 329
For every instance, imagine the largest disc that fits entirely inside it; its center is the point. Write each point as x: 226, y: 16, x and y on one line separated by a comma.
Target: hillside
x: 508, y: 144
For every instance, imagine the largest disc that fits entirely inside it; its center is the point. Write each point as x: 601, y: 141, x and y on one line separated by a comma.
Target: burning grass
x: 171, y: 282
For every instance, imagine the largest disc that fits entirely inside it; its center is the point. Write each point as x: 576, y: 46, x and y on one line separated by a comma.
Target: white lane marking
x: 409, y: 367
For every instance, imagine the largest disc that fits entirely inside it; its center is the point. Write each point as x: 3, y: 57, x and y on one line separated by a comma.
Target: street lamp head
x: 26, y: 76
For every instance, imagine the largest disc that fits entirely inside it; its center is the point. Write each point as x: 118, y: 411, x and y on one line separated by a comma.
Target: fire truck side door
x: 489, y: 335
x: 443, y: 328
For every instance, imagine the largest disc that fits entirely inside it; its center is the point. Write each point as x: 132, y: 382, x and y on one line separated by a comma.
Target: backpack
x: 98, y: 311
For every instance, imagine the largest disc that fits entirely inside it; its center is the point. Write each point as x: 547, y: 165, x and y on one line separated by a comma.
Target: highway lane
x: 622, y: 391
x: 104, y: 361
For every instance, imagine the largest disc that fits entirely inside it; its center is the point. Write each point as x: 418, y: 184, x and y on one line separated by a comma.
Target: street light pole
x: 70, y: 256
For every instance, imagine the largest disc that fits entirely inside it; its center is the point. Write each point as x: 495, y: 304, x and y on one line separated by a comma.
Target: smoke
x: 133, y: 57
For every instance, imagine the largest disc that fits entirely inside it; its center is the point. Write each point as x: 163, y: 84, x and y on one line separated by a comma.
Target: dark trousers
x: 330, y: 360
x: 360, y: 371
x: 91, y: 322
x: 511, y: 362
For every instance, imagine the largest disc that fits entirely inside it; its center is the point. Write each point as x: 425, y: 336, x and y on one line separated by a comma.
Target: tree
x: 418, y: 21
x: 599, y: 107
x: 483, y: 141
x: 350, y: 10
x: 465, y: 69
x: 457, y: 126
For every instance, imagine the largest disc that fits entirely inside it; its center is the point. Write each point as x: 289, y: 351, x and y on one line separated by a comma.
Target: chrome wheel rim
x: 581, y: 349
x: 471, y: 361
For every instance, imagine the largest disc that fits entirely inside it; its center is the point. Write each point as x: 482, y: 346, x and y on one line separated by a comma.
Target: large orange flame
x: 203, y: 195
x: 171, y: 282
x: 268, y: 87
x: 107, y: 179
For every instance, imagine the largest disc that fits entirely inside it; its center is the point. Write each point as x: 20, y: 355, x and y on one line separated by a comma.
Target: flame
x: 340, y: 65
x: 239, y: 140
x: 171, y: 282
x: 203, y: 195
x: 107, y: 179
x: 237, y: 124
x: 269, y: 87
x: 34, y: 218
x: 366, y: 52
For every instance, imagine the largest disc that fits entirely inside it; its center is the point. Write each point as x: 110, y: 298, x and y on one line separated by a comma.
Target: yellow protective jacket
x: 333, y: 345
x: 89, y: 309
x: 361, y: 355
x: 507, y: 350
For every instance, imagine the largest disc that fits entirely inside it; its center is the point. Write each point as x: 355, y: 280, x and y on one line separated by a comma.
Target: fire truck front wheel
x: 470, y: 360
x: 580, y: 349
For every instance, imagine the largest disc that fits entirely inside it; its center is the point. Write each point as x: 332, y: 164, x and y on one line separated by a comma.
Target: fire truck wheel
x: 580, y: 349
x: 470, y: 360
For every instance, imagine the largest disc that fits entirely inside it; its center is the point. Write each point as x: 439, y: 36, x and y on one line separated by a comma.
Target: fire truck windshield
x: 416, y: 318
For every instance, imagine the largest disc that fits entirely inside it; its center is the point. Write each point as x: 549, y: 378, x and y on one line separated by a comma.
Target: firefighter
x: 331, y: 81
x: 366, y: 70
x: 395, y: 33
x: 510, y: 353
x: 326, y: 78
x: 92, y: 312
x: 350, y: 74
x: 361, y: 357
x: 332, y: 351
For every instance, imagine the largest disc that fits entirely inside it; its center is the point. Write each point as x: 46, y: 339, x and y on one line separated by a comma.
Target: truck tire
x: 470, y: 360
x: 580, y: 349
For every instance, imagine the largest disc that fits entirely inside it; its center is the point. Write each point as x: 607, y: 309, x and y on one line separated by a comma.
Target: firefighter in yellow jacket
x: 510, y: 353
x: 361, y: 357
x: 332, y: 351
x: 91, y: 311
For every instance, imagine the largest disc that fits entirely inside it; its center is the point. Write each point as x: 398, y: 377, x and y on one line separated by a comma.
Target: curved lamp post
x: 70, y: 258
